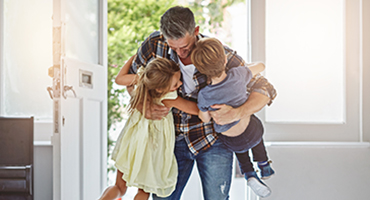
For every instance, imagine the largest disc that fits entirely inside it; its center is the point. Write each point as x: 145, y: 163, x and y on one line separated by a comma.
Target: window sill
x: 42, y: 131
x: 42, y: 143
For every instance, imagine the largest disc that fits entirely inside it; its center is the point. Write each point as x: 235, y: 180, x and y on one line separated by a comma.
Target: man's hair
x: 208, y: 56
x: 176, y: 22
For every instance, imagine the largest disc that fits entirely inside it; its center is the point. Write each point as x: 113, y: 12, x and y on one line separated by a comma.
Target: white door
x: 80, y: 102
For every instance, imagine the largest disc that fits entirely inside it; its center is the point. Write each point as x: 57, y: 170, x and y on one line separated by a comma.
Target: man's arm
x: 227, y: 114
x: 154, y: 111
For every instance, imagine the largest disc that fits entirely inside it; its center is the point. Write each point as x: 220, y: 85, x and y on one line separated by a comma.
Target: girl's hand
x: 225, y: 114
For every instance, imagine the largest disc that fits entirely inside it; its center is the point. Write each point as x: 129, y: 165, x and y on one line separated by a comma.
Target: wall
x: 307, y: 172
x: 320, y: 172
x: 43, y: 166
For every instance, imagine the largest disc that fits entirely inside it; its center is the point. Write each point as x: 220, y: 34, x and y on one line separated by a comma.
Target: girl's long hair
x: 153, y: 83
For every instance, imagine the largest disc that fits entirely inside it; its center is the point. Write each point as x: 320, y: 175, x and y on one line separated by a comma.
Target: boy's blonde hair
x: 154, y: 82
x: 208, y: 56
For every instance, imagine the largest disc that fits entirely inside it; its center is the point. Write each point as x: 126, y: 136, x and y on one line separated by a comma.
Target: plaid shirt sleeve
x: 258, y: 83
x: 152, y: 47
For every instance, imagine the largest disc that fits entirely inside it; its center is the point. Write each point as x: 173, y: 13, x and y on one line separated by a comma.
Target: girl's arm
x: 123, y: 77
x: 154, y: 112
x: 204, y: 116
x: 182, y: 104
x: 256, y: 68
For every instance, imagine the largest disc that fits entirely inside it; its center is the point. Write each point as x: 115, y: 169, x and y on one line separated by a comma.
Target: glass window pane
x: 305, y: 60
x: 27, y: 52
x: 85, y: 23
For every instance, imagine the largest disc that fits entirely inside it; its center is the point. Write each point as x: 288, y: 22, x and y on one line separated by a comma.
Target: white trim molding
x: 319, y: 144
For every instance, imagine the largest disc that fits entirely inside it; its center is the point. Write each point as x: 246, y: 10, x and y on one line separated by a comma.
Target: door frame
x: 1, y: 55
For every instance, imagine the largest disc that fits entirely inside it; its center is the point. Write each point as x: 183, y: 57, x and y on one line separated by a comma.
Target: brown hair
x: 154, y: 82
x: 176, y: 22
x: 208, y: 57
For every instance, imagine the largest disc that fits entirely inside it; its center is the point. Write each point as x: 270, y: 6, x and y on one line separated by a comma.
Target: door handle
x: 66, y: 88
x: 54, y: 91
x: 50, y: 90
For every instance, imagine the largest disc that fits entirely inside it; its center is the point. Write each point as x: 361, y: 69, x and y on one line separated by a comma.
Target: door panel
x: 70, y: 149
x: 86, y: 109
x: 80, y: 100
x: 92, y: 159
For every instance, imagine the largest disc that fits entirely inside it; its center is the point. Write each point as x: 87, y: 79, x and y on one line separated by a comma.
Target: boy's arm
x: 256, y: 68
x: 182, y: 104
x: 204, y: 116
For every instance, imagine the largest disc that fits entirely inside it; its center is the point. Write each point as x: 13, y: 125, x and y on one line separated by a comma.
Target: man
x: 197, y: 141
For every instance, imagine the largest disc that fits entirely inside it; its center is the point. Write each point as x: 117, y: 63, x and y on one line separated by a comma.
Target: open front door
x: 80, y: 99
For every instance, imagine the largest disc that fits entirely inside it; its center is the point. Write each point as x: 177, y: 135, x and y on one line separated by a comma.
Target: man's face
x: 183, y: 46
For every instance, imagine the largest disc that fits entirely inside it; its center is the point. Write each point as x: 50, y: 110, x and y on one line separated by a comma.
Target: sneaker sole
x: 256, y: 184
x: 267, y: 177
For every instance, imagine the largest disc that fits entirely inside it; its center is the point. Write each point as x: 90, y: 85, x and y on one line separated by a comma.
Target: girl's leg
x: 141, y: 195
x: 116, y: 191
x: 185, y: 162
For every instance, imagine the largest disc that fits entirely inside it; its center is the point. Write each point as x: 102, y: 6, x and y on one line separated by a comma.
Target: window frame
x: 351, y: 130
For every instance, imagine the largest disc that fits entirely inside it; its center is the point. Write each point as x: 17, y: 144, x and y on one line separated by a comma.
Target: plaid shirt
x: 198, y: 135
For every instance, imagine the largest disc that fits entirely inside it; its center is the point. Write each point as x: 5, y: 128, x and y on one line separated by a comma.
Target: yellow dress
x: 144, y: 153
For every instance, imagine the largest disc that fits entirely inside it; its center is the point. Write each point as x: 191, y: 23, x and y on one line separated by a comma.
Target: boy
x: 229, y: 88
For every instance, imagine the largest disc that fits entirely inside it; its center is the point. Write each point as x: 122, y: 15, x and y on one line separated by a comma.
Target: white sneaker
x: 258, y: 187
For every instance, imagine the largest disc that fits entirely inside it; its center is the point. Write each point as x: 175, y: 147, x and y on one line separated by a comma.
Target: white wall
x: 322, y: 172
x: 307, y: 172
x: 43, y: 171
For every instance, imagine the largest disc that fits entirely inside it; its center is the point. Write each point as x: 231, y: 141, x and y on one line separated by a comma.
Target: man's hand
x: 225, y: 114
x: 156, y: 112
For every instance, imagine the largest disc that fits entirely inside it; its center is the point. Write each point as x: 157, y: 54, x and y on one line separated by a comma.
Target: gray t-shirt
x: 231, y: 91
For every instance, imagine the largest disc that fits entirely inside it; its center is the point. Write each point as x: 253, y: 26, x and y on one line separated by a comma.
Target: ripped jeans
x: 214, y: 167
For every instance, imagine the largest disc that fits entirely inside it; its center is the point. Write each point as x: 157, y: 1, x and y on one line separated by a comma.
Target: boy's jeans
x: 214, y: 166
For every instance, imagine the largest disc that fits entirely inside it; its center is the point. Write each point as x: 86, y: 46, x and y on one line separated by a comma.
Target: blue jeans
x: 214, y: 167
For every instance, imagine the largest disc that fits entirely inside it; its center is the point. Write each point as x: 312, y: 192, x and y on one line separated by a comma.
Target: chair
x: 16, y: 158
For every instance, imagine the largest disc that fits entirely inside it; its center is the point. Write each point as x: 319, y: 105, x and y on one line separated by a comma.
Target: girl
x: 144, y: 152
